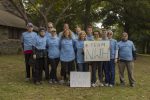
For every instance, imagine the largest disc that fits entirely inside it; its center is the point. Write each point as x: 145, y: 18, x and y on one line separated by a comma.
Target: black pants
x: 66, y: 68
x: 46, y: 68
x: 27, y: 58
x: 54, y: 63
x: 40, y: 63
x: 97, y: 65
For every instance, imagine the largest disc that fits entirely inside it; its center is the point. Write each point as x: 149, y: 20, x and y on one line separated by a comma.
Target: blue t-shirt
x: 53, y: 47
x: 79, y: 45
x: 40, y: 42
x: 89, y: 37
x: 113, y: 48
x: 28, y: 40
x: 126, y: 49
x: 48, y: 34
x: 67, y: 50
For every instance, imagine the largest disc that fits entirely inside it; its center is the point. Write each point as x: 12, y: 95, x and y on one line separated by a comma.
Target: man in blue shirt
x: 49, y: 29
x: 110, y: 76
x: 66, y: 27
x: 89, y: 31
x: 126, y: 56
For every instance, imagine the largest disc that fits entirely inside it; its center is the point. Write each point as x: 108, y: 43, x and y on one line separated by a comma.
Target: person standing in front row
x: 67, y: 55
x: 126, y: 56
x: 96, y: 65
x: 79, y: 46
x: 53, y: 55
x: 27, y: 41
x: 110, y: 75
x: 40, y: 55
x: 104, y: 63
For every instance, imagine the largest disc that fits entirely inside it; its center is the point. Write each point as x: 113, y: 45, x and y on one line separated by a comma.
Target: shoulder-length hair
x: 82, y: 32
x: 70, y: 33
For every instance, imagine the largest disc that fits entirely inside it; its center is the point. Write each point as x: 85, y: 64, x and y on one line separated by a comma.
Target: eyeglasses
x: 50, y: 27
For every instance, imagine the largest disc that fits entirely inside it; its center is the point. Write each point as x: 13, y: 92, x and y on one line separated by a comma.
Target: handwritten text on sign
x: 97, y: 50
x: 80, y: 79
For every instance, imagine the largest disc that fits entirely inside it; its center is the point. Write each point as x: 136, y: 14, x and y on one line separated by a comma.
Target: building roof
x: 8, y: 19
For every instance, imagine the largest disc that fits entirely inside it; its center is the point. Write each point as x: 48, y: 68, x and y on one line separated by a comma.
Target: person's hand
x: 34, y: 56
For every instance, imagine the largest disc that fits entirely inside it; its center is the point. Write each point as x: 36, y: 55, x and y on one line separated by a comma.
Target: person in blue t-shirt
x: 110, y: 75
x: 96, y: 65
x: 67, y: 54
x: 89, y: 36
x: 79, y: 46
x: 66, y: 27
x: 53, y: 43
x: 49, y: 29
x: 104, y: 63
x: 27, y: 40
x: 126, y: 56
x: 39, y: 54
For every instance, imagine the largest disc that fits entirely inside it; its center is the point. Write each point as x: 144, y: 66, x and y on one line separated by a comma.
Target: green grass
x: 13, y: 86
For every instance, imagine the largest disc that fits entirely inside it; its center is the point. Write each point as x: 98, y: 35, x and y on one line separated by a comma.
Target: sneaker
x: 110, y: 85
x: 101, y: 84
x: 54, y: 81
x: 27, y: 79
x: 93, y: 85
x: 50, y: 81
x: 132, y: 85
x: 61, y: 81
x: 37, y: 83
x: 106, y: 84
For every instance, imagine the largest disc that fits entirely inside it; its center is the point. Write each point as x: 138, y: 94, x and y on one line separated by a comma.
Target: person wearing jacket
x: 39, y: 54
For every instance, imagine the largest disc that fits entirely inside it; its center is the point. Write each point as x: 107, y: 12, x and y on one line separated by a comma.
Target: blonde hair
x: 82, y: 32
x: 70, y: 33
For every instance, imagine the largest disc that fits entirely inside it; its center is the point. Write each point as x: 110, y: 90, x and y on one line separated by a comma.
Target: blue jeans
x: 83, y: 67
x: 110, y: 72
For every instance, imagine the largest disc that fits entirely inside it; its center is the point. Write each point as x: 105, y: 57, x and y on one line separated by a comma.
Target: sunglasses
x: 53, y: 31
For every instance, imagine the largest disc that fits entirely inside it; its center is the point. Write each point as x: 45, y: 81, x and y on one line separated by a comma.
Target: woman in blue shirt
x: 79, y: 45
x: 53, y: 55
x: 67, y: 54
x: 39, y: 54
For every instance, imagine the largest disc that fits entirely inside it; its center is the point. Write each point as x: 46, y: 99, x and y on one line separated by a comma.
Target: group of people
x: 47, y: 48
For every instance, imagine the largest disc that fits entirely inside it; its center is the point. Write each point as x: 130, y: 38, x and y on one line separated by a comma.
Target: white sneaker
x: 106, y: 84
x: 93, y: 85
x: 110, y: 85
x: 50, y: 81
x: 101, y: 84
x: 61, y: 81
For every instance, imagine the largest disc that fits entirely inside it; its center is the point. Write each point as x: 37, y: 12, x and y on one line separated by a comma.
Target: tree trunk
x: 87, y: 13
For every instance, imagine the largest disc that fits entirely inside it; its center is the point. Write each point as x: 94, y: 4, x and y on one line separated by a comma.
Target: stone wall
x: 8, y: 46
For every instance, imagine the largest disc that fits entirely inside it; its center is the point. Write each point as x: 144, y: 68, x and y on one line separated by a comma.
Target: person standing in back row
x: 126, y: 57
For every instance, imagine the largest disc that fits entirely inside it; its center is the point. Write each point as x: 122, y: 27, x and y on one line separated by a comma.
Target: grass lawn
x: 13, y: 86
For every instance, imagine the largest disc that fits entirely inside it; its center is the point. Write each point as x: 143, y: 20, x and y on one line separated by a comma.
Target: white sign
x: 97, y: 50
x: 80, y: 79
